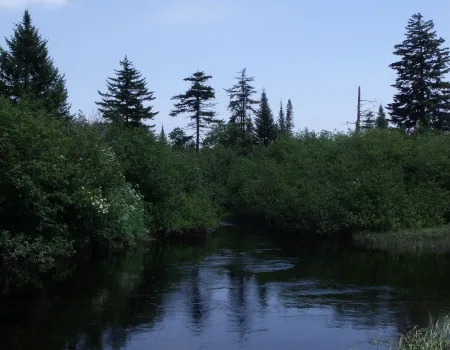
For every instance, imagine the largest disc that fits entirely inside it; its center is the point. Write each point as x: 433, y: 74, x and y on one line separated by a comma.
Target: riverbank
x: 426, y: 240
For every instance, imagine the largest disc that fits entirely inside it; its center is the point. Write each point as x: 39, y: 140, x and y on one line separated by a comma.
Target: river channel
x: 235, y: 289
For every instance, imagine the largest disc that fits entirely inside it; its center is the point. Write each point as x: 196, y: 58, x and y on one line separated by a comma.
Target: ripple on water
x: 268, y: 266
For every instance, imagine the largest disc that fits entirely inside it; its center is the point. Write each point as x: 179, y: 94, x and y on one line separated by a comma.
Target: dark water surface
x: 233, y: 290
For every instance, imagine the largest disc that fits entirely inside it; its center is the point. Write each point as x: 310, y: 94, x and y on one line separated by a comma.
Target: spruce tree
x: 381, y: 121
x: 289, y: 118
x: 241, y: 104
x: 265, y: 127
x: 195, y: 103
x: 281, y: 123
x: 368, y: 120
x: 27, y: 72
x: 423, y: 97
x: 162, y: 136
x: 123, y: 103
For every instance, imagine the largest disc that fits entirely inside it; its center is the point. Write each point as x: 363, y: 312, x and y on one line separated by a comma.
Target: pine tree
x: 241, y: 102
x: 194, y: 102
x: 289, y: 118
x: 27, y: 72
x: 162, y: 136
x: 381, y: 121
x: 423, y: 97
x: 123, y: 103
x: 281, y: 123
x: 265, y: 127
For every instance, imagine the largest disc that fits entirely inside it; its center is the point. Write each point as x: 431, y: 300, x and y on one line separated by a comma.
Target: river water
x: 233, y: 290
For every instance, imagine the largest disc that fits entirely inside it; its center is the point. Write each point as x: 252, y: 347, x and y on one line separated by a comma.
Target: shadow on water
x: 234, y: 289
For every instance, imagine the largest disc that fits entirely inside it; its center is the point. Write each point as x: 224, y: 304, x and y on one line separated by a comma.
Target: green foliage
x: 381, y: 121
x: 123, y: 104
x: 265, y: 127
x: 423, y: 97
x: 281, y: 122
x: 27, y: 71
x: 289, y: 118
x: 194, y: 102
x: 241, y: 106
x: 162, y: 136
x: 330, y: 183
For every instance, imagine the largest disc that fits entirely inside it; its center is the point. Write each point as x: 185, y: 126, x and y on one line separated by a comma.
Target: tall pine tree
x: 281, y: 123
x: 289, y: 118
x: 423, y: 97
x: 381, y: 121
x: 195, y: 103
x: 123, y: 103
x: 265, y: 127
x: 27, y: 72
x: 241, y: 101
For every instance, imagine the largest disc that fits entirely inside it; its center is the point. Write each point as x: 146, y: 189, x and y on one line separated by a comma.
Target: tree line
x: 422, y: 100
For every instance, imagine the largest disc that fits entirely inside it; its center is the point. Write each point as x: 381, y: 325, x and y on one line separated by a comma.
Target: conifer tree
x: 27, y: 72
x: 179, y: 139
x: 123, y: 103
x: 162, y: 136
x: 368, y: 120
x: 265, y: 127
x: 381, y: 121
x: 241, y: 101
x: 281, y: 123
x: 423, y: 96
x: 195, y: 103
x: 289, y: 118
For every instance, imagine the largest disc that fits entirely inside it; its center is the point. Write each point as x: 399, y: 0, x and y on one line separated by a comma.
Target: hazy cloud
x: 17, y: 4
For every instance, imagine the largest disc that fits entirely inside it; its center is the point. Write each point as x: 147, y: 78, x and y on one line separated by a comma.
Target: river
x: 233, y: 290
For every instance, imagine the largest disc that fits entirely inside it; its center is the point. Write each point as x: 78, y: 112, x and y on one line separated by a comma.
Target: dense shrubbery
x: 330, y: 183
x: 70, y: 187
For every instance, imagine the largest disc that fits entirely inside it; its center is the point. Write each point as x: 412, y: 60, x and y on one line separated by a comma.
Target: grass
x: 425, y: 240
x: 435, y: 337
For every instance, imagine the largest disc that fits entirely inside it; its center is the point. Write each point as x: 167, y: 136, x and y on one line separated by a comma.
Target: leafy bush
x: 328, y: 183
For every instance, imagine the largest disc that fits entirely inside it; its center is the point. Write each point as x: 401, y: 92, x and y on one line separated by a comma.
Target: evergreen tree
x: 179, y: 139
x: 368, y: 120
x: 162, y: 136
x: 265, y: 127
x: 241, y: 102
x: 381, y: 121
x: 281, y: 124
x: 27, y: 72
x: 423, y: 97
x: 123, y: 103
x: 194, y: 102
x: 289, y: 118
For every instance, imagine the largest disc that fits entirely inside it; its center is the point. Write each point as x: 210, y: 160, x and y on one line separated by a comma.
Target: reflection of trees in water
x: 102, y: 306
x: 199, y: 307
x: 108, y: 301
x: 351, y: 284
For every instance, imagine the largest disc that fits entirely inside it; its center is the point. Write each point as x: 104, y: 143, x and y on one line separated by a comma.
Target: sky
x: 314, y: 52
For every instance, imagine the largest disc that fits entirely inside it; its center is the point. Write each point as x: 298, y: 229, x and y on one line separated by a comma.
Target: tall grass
x: 435, y: 337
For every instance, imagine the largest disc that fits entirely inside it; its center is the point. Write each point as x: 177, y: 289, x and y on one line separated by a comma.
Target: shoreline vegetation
x: 434, y: 337
x: 74, y: 186
x: 415, y: 240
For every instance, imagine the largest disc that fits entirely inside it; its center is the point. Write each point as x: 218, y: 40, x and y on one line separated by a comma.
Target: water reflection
x: 232, y: 290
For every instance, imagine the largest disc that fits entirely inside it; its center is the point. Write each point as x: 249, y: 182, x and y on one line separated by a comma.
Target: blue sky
x: 315, y: 52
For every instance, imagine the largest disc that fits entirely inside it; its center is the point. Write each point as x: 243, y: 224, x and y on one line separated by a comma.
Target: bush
x: 329, y: 183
